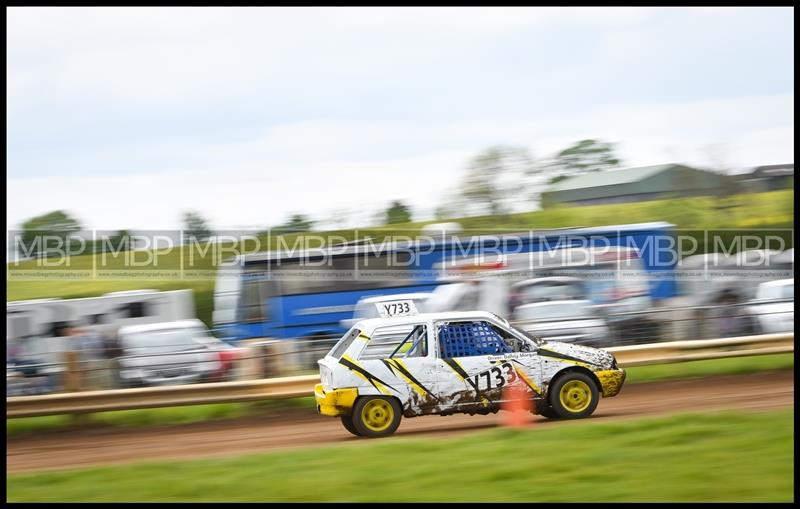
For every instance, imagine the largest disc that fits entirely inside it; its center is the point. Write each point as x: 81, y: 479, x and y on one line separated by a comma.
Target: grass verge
x: 697, y: 369
x: 721, y: 456
x: 159, y: 416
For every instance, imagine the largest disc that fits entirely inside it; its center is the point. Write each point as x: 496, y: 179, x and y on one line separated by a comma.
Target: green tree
x: 582, y: 157
x: 494, y: 176
x: 195, y: 227
x: 296, y: 223
x: 35, y: 231
x: 398, y: 212
x: 557, y: 178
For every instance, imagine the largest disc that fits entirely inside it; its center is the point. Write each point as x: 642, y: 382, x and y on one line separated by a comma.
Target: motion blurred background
x: 175, y: 174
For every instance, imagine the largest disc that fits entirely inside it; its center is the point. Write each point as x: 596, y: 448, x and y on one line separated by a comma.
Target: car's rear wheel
x: 574, y: 395
x: 347, y: 422
x: 376, y: 416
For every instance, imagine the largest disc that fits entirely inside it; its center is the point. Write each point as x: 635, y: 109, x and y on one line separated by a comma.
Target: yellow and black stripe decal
x: 455, y: 366
x: 363, y: 336
x: 520, y: 371
x: 389, y: 365
x: 379, y: 384
x: 564, y: 357
x: 396, y: 366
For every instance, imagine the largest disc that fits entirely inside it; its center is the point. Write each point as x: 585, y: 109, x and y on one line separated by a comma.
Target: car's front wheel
x: 376, y: 416
x: 548, y: 412
x: 574, y: 395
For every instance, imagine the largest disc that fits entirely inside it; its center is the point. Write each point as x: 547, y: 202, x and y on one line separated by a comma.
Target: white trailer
x: 38, y: 327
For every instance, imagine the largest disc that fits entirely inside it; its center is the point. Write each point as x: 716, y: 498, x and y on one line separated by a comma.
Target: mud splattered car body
x: 457, y: 362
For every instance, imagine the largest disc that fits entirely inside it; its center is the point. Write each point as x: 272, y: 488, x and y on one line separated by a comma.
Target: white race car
x: 456, y: 362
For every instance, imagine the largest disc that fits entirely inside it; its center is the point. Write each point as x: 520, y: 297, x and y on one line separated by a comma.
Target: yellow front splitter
x: 611, y: 381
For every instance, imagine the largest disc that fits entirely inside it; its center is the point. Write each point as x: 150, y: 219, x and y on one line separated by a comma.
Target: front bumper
x: 335, y: 402
x: 611, y: 381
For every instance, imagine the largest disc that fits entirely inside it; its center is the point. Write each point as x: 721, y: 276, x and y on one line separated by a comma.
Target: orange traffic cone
x: 517, y: 406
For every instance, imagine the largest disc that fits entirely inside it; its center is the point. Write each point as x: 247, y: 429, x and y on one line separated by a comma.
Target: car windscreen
x: 553, y: 291
x: 166, y: 340
x: 776, y: 292
x: 554, y: 312
x: 538, y: 340
x: 782, y: 292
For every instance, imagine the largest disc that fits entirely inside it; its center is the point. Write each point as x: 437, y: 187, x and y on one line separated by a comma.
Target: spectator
x: 112, y: 351
x: 13, y: 350
x: 729, y: 320
x: 89, y: 348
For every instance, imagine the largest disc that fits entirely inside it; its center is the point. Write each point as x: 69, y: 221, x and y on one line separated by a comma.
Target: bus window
x: 350, y: 272
x: 254, y: 296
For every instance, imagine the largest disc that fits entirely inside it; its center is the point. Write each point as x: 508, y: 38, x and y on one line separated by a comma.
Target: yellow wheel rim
x: 575, y: 396
x: 377, y: 415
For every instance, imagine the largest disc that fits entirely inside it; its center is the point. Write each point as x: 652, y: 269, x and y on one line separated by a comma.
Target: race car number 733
x: 497, y: 376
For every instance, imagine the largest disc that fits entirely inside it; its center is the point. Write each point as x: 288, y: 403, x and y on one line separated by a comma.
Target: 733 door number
x: 494, y: 377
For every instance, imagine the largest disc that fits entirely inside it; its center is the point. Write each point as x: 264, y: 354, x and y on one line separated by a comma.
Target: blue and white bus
x: 306, y: 294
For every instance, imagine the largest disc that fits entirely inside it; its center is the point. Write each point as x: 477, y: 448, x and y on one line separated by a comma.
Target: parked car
x: 773, y: 307
x: 545, y: 289
x: 179, y: 352
x: 27, y: 369
x: 568, y: 321
x: 18, y: 383
x: 455, y: 362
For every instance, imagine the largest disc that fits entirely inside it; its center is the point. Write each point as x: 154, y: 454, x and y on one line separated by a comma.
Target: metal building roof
x: 611, y: 177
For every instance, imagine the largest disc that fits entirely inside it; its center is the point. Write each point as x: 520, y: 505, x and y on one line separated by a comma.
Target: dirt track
x: 85, y: 447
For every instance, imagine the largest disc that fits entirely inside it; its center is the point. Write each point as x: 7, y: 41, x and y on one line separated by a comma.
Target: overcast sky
x: 127, y: 117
